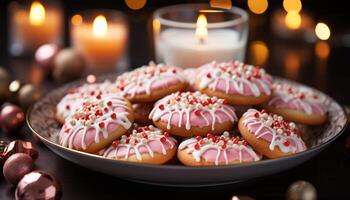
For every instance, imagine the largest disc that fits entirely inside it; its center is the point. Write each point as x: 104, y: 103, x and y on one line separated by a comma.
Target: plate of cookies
x: 220, y: 123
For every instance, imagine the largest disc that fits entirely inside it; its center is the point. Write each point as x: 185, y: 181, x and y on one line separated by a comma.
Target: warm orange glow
x: 211, y: 11
x: 77, y: 20
x: 322, y: 31
x: 225, y: 4
x: 156, y: 25
x: 135, y: 4
x: 292, y: 65
x: 292, y: 5
x: 201, y: 30
x: 322, y: 49
x: 100, y: 26
x: 258, y: 6
x: 292, y: 20
x: 37, y: 14
x: 259, y: 52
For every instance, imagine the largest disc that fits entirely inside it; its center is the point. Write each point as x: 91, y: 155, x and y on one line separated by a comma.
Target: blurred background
x: 282, y: 37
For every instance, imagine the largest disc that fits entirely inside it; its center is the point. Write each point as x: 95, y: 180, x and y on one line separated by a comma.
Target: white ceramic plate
x: 41, y: 121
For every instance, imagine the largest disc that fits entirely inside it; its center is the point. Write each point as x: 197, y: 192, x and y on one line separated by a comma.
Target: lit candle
x: 34, y: 26
x: 101, y: 42
x: 189, y: 48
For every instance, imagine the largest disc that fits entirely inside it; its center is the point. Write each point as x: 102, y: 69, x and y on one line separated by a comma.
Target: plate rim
x: 183, y: 167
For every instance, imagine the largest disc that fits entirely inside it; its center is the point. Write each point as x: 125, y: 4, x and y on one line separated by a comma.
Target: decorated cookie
x: 150, y: 83
x: 269, y: 134
x: 96, y: 123
x: 188, y: 114
x: 238, y: 83
x: 216, y: 150
x: 299, y: 104
x: 146, y: 144
x: 141, y: 112
x: 75, y: 96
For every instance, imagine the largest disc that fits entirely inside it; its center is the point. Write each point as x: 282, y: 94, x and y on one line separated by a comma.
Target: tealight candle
x: 34, y: 25
x: 102, y: 41
x: 185, y: 44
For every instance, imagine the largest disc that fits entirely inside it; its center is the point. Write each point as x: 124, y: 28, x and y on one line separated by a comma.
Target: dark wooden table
x: 329, y: 171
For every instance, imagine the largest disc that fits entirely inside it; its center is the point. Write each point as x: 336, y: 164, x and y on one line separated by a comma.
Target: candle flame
x: 201, y: 30
x: 100, y: 26
x: 36, y: 14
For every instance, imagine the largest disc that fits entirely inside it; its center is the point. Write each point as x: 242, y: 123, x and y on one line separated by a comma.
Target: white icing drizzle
x: 140, y: 137
x: 95, y: 113
x: 283, y: 134
x: 221, y: 144
x: 131, y: 83
x: 300, y: 98
x: 186, y: 103
x: 74, y: 97
x: 236, y: 75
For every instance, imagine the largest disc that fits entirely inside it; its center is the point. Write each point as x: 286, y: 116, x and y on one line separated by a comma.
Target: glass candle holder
x: 190, y: 35
x: 101, y: 36
x: 32, y: 24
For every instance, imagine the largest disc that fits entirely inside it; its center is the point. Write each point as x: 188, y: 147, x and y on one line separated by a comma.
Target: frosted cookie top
x: 234, y: 78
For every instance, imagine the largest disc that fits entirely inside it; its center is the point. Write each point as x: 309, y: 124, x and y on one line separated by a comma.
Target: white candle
x: 181, y: 47
x: 193, y: 48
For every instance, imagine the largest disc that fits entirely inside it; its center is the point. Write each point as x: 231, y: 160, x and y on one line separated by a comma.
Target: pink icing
x: 146, y: 79
x: 297, y: 98
x: 93, y: 120
x: 75, y: 97
x: 142, y: 140
x: 192, y: 109
x: 220, y: 149
x: 235, y: 78
x: 273, y: 129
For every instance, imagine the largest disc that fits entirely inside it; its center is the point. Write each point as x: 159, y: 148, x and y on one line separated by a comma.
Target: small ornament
x: 301, y: 190
x: 5, y: 79
x: 68, y: 65
x: 16, y: 166
x: 240, y: 197
x: 38, y: 185
x: 11, y: 118
x: 28, y: 95
x: 14, y: 88
x: 19, y: 146
x: 45, y: 54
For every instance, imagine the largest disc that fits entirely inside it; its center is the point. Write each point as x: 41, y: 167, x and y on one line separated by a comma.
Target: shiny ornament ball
x: 11, y: 118
x: 5, y: 79
x: 45, y: 54
x: 28, y: 95
x: 38, y: 185
x: 16, y: 166
x: 301, y: 190
x: 20, y: 146
x: 69, y: 65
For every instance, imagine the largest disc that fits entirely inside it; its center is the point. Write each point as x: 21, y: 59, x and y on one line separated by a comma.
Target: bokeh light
x: 292, y: 5
x: 259, y: 53
x: 322, y: 31
x: 135, y: 4
x: 225, y: 4
x: 77, y: 20
x: 258, y: 6
x: 293, y: 20
x: 322, y: 49
x: 292, y: 65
